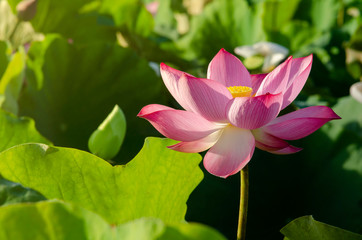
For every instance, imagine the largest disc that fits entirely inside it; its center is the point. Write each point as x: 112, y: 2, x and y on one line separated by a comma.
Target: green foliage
x: 11, y: 82
x: 147, y: 229
x: 11, y: 193
x: 165, y: 22
x: 130, y: 14
x: 228, y: 23
x: 145, y: 187
x: 106, y: 141
x: 324, y: 13
x: 307, y: 228
x: 69, y: 19
x: 277, y: 13
x: 76, y: 71
x: 16, y: 131
x: 4, y: 56
x: 53, y: 219
x: 354, y: 53
x: 77, y: 90
x: 58, y: 220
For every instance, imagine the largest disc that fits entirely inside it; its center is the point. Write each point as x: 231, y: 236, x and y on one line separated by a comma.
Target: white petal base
x: 231, y: 152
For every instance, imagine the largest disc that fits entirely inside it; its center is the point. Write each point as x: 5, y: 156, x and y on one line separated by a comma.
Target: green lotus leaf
x: 11, y: 192
x: 11, y: 82
x: 307, y: 228
x: 70, y: 94
x: 16, y: 131
x: 65, y: 221
x: 156, y: 183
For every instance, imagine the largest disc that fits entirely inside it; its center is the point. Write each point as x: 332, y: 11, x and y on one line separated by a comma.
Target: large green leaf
x: 11, y: 192
x: 75, y: 19
x: 12, y: 81
x: 58, y: 220
x: 138, y: 30
x: 148, y: 228
x: 192, y: 231
x: 71, y: 89
x: 165, y: 21
x: 51, y: 220
x: 223, y: 24
x: 324, y: 13
x: 14, y: 131
x: 156, y: 183
x: 300, y: 37
x: 130, y: 14
x: 277, y: 13
x: 307, y: 228
x: 4, y: 56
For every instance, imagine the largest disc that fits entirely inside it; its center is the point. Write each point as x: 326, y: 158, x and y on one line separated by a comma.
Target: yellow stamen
x: 240, y: 91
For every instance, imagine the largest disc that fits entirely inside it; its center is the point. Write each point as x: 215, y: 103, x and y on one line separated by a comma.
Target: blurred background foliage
x: 66, y: 64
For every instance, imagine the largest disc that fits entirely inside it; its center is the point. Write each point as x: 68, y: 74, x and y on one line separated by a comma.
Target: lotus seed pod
x: 26, y: 10
x: 254, y: 62
x: 106, y: 141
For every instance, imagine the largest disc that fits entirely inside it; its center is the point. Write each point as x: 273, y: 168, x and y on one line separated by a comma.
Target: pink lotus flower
x: 232, y: 112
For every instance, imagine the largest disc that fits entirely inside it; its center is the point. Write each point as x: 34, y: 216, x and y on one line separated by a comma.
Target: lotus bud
x: 26, y: 10
x: 254, y: 62
x: 106, y: 141
x: 152, y: 7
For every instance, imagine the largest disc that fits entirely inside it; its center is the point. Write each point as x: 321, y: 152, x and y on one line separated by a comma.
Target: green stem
x: 243, y: 209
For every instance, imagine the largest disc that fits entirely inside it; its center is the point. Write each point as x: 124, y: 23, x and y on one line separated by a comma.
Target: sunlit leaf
x: 11, y: 192
x: 51, y: 219
x: 223, y: 24
x: 78, y: 88
x: 148, y: 228
x: 324, y: 13
x: 68, y: 18
x: 277, y: 13
x: 165, y: 21
x: 156, y: 183
x: 14, y: 131
x: 302, y: 38
x: 4, y: 56
x: 130, y: 14
x: 11, y: 82
x: 107, y: 139
x: 307, y: 228
x: 64, y: 221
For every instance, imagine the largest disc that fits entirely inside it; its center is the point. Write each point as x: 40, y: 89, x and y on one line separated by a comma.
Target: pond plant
x: 220, y: 155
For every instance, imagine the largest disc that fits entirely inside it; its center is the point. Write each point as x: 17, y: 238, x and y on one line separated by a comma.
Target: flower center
x: 240, y: 91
